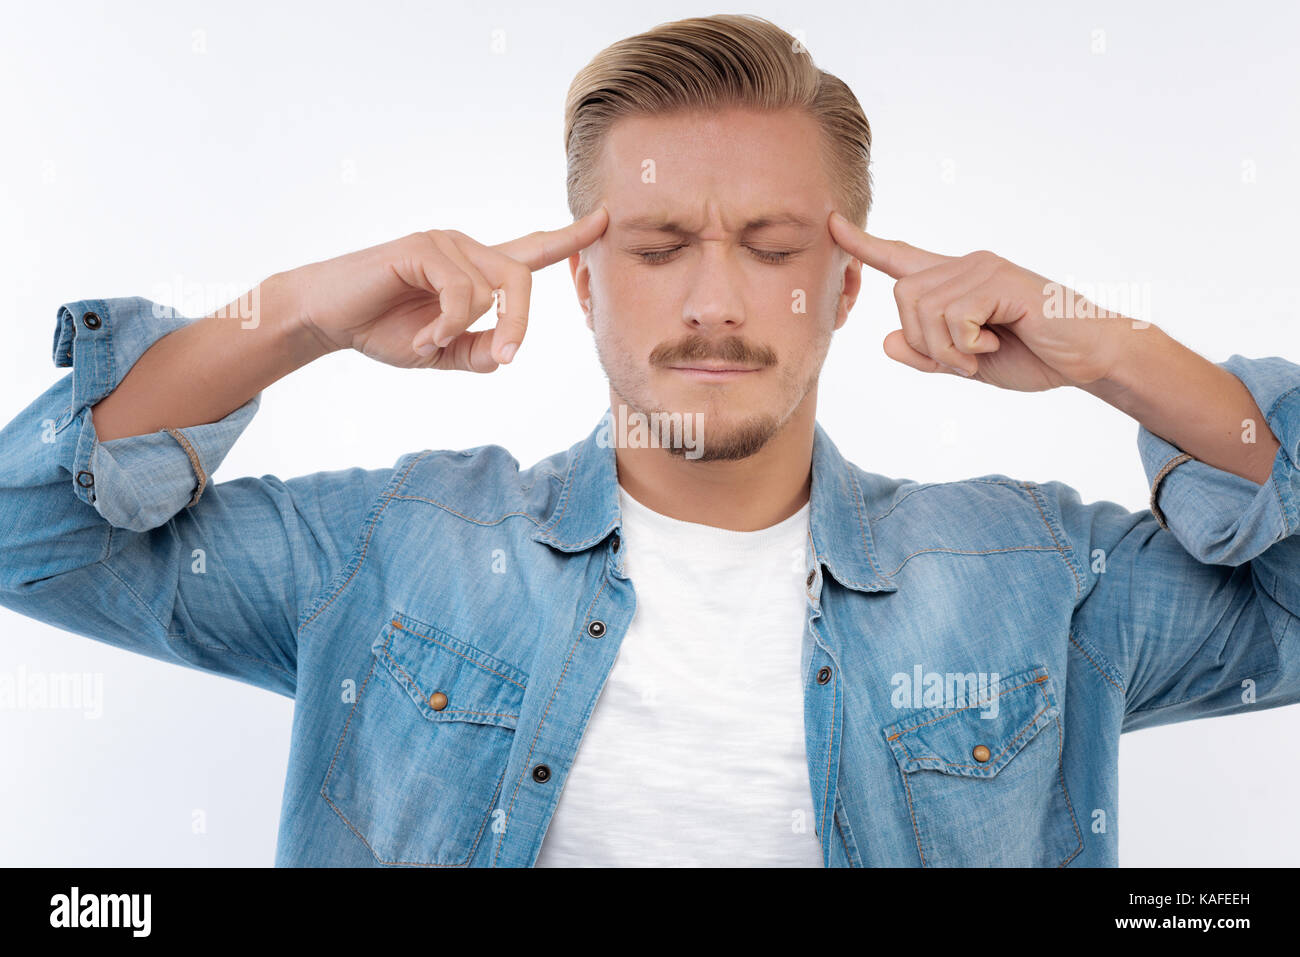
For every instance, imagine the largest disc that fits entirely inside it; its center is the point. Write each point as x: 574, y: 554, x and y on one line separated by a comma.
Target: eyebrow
x: 661, y: 224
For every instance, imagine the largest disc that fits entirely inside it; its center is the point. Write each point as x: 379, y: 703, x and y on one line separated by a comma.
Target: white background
x: 170, y: 148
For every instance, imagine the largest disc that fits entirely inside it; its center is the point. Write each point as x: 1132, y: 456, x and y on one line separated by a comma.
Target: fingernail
x: 425, y: 348
x: 442, y: 343
x: 508, y: 351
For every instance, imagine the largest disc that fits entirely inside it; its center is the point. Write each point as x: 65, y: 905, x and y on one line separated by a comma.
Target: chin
x: 727, y: 437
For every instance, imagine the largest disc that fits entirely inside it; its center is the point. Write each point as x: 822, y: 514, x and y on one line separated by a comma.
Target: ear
x: 851, y: 286
x: 581, y: 273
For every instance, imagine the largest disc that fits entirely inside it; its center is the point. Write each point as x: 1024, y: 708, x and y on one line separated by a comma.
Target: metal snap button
x: 85, y: 479
x: 811, y: 575
x: 596, y: 628
x: 91, y: 320
x: 981, y: 753
x: 437, y: 701
x: 823, y: 676
x: 541, y: 774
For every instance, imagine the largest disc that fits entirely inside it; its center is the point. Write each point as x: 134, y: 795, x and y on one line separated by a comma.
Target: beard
x: 725, y: 434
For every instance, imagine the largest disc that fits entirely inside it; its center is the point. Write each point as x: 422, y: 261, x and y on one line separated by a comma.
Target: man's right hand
x: 425, y: 289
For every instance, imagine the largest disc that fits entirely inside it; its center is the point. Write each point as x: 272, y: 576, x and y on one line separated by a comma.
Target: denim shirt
x: 972, y: 651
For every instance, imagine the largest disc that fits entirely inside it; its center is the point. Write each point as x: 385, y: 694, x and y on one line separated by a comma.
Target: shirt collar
x: 587, y: 509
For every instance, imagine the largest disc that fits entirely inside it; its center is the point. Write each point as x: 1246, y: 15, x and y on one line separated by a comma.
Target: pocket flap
x: 953, y: 739
x: 469, y: 684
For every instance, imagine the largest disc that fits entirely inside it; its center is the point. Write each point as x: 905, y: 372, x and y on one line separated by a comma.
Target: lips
x: 713, y: 373
x: 712, y: 367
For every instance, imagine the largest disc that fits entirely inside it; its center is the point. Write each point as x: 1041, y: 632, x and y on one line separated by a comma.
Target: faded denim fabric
x: 445, y: 626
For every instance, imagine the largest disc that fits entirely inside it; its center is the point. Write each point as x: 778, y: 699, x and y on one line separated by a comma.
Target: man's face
x: 717, y: 256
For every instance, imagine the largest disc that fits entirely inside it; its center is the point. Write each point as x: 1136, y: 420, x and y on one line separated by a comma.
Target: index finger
x: 891, y: 256
x: 547, y: 246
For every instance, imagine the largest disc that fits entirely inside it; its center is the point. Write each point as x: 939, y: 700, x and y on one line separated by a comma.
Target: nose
x: 714, y: 300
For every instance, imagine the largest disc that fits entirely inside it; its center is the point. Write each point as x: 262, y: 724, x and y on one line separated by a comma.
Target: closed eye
x: 764, y: 255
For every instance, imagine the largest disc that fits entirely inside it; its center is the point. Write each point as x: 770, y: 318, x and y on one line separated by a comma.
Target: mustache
x: 732, y: 349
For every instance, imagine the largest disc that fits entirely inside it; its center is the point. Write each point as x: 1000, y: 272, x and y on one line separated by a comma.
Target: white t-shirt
x: 694, y: 755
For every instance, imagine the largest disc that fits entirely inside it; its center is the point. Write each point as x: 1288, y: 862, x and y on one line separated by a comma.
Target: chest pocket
x: 984, y: 783
x: 422, y: 756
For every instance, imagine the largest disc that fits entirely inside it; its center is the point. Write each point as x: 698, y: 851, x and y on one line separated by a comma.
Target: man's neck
x: 743, y: 495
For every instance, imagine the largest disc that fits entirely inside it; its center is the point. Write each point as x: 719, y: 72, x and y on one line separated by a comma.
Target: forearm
x: 208, y: 368
x: 1189, y: 402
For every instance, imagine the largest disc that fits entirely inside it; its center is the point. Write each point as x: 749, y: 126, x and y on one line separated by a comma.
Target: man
x: 698, y: 635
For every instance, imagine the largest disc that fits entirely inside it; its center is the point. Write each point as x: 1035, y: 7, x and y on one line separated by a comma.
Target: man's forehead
x: 688, y: 172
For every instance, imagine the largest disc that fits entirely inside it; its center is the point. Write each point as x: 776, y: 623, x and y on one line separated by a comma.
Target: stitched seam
x: 1281, y: 506
x: 542, y: 721
x: 1101, y: 671
x: 134, y: 594
x: 978, y: 704
x: 361, y: 837
x: 986, y: 764
x: 487, y: 817
x: 338, y: 748
x: 1065, y: 553
x: 170, y: 635
x: 1193, y: 697
x: 229, y: 651
x: 365, y: 545
x: 195, y: 464
x: 1060, y: 772
x: 476, y: 521
x: 911, y: 811
x: 962, y: 551
x: 843, y: 840
x: 830, y: 744
x: 443, y: 644
x: 862, y: 519
x: 564, y: 504
x: 926, y: 486
x: 445, y: 711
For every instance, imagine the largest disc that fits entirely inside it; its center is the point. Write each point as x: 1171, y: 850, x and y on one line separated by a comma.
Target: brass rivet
x: 981, y: 753
x: 437, y: 701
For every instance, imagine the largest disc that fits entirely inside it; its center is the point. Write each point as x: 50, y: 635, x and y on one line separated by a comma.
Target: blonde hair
x: 711, y: 63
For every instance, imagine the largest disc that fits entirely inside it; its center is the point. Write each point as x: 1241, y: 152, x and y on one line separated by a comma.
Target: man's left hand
x: 982, y: 315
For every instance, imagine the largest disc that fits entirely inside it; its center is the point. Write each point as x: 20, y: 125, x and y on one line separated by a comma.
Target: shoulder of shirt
x: 483, y: 484
x: 884, y: 495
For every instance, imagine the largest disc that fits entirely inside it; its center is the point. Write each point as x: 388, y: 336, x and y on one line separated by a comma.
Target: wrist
x: 281, y: 309
x: 1134, y: 351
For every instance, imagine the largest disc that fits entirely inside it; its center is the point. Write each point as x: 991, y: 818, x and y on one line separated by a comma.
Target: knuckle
x: 926, y: 304
x: 459, y: 287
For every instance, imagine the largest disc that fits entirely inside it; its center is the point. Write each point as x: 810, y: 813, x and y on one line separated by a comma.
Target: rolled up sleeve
x: 137, y: 482
x: 222, y: 585
x: 1219, y: 517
